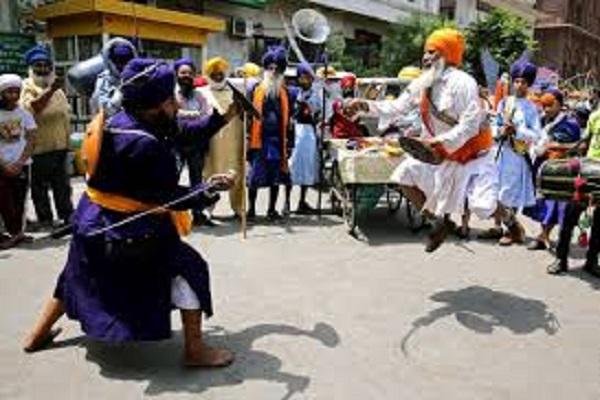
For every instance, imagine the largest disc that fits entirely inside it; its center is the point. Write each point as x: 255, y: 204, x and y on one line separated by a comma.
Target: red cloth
x: 200, y: 81
x: 342, y: 127
x: 348, y: 82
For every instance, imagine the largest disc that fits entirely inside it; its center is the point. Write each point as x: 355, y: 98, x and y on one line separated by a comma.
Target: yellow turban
x: 251, y: 70
x: 216, y: 64
x: 409, y: 73
x: 331, y: 72
x: 449, y: 42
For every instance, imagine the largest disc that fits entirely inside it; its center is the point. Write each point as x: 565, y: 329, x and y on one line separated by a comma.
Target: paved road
x: 314, y: 314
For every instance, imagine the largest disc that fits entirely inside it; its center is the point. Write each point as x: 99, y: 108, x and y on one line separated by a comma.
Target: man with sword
x: 127, y: 264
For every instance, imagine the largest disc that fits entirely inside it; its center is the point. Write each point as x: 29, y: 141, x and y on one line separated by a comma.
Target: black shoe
x: 537, y: 245
x: 592, y: 268
x: 305, y: 209
x: 558, y: 267
x: 40, y: 226
x: 203, y: 220
x: 286, y: 210
x: 274, y: 216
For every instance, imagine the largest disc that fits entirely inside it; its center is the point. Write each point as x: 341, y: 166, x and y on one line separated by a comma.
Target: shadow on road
x: 581, y: 274
x: 159, y: 363
x: 482, y: 310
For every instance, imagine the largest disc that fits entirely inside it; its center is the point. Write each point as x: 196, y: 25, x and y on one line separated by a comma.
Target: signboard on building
x: 12, y: 49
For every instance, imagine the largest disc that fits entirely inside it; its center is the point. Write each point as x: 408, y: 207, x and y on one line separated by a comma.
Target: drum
x: 421, y: 151
x: 576, y: 179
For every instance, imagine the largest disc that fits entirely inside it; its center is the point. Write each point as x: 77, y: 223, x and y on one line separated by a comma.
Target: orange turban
x: 216, y: 64
x: 449, y: 42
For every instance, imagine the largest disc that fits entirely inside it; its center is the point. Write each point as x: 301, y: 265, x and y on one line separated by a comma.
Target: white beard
x: 42, y: 81
x: 217, y: 85
x: 429, y: 77
x: 272, y: 83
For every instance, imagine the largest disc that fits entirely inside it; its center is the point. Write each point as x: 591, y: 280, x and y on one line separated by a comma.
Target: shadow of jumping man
x: 482, y: 310
x: 159, y: 363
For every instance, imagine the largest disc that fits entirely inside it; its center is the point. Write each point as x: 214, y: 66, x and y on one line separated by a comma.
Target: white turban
x: 8, y: 81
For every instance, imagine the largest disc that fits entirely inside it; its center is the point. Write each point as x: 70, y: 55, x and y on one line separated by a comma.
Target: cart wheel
x: 394, y: 200
x: 414, y: 217
x: 350, y: 214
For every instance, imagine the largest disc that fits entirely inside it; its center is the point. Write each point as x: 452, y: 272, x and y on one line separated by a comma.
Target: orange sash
x: 182, y: 220
x: 256, y: 128
x: 470, y: 150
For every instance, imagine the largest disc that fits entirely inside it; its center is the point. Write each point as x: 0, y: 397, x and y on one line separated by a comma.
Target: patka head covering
x: 184, y: 61
x: 38, y: 53
x: 275, y: 55
x: 449, y: 42
x: 525, y: 70
x: 8, y: 81
x: 550, y: 96
x: 147, y: 82
x: 305, y: 69
x: 216, y: 65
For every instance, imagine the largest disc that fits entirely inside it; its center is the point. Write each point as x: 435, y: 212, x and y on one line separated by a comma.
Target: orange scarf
x: 182, y: 220
x: 481, y: 142
x: 256, y: 128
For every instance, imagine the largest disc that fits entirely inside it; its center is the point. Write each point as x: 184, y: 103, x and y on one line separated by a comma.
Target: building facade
x: 569, y: 36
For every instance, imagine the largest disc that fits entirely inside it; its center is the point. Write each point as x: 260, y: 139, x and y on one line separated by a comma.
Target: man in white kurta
x: 226, y: 147
x: 444, y: 189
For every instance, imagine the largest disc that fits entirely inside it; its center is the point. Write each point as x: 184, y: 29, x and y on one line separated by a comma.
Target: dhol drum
x: 575, y: 179
x: 420, y: 150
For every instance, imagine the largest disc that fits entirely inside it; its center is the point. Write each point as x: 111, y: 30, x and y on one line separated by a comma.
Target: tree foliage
x: 506, y: 36
x: 404, y: 45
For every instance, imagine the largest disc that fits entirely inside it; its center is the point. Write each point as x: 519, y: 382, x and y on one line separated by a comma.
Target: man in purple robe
x: 122, y: 281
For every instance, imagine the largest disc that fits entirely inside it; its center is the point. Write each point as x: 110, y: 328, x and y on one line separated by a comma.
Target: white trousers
x: 448, y: 187
x: 182, y: 295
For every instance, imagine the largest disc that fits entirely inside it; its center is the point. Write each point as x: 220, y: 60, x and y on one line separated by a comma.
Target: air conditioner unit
x: 241, y: 27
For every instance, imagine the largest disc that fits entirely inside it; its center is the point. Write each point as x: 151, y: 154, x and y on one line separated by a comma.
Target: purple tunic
x: 118, y: 284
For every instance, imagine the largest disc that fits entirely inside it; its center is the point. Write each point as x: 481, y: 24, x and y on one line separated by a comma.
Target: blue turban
x: 149, y: 89
x: 305, y: 69
x: 275, y: 55
x: 38, y: 53
x: 184, y: 61
x: 525, y: 70
x: 121, y: 50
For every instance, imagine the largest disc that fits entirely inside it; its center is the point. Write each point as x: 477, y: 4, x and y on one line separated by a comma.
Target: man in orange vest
x: 455, y: 127
x: 268, y: 149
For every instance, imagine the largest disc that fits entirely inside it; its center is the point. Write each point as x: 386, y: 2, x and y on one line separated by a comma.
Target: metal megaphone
x: 311, y: 26
x: 82, y: 76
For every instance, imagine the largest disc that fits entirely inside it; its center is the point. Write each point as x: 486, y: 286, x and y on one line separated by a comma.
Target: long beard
x: 217, y: 85
x: 42, y: 81
x: 272, y: 83
x: 429, y: 76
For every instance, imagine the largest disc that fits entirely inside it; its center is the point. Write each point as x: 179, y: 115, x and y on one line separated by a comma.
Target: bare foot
x: 209, y: 358
x: 36, y: 343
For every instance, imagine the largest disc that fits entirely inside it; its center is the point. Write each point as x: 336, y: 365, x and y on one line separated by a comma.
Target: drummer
x: 454, y: 127
x: 573, y: 212
x: 560, y: 132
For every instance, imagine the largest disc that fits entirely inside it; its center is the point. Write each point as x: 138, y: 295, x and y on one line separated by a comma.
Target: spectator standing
x: 42, y: 96
x: 17, y: 130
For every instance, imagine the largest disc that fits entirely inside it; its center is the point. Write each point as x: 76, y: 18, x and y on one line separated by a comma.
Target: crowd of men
x: 127, y: 264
